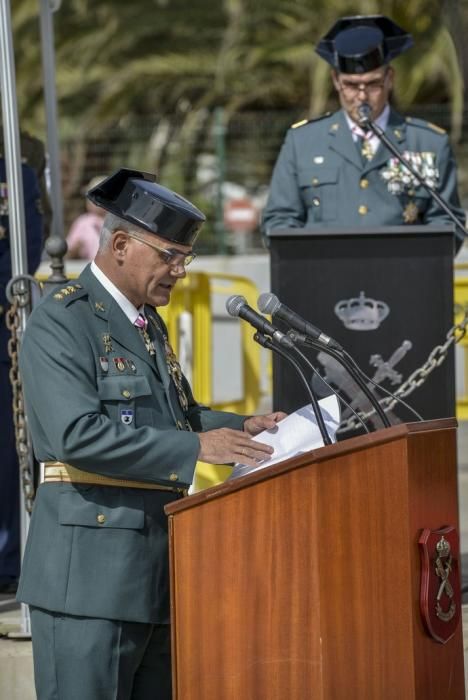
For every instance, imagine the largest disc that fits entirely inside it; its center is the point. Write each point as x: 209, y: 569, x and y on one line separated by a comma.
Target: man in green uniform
x: 332, y: 173
x: 118, y: 433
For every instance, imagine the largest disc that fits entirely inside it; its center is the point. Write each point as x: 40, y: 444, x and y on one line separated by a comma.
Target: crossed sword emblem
x: 443, y: 572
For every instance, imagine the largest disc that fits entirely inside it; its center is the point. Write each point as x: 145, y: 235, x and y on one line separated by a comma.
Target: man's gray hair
x: 115, y: 223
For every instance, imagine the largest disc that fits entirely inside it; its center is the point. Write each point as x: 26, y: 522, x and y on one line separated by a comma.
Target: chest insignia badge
x: 126, y: 416
x: 106, y: 340
x: 104, y: 362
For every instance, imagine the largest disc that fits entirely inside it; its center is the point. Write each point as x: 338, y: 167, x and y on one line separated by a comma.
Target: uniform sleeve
x: 65, y: 412
x: 447, y: 189
x: 285, y: 207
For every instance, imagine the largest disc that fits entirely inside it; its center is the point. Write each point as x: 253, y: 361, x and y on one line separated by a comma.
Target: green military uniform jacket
x: 320, y: 179
x: 96, y: 399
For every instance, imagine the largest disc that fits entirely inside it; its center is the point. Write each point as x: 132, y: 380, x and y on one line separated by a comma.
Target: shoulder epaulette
x: 425, y: 125
x: 68, y: 292
x: 303, y: 122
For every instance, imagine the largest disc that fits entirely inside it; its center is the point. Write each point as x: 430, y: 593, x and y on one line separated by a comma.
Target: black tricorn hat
x: 136, y: 197
x: 363, y: 43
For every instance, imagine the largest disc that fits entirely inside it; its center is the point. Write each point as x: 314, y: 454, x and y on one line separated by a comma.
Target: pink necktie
x: 141, y: 322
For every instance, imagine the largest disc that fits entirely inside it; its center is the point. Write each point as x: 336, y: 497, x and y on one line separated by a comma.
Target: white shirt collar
x: 381, y: 121
x: 130, y: 311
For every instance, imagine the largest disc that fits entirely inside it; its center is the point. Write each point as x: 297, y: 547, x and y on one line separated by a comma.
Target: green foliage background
x: 153, y: 72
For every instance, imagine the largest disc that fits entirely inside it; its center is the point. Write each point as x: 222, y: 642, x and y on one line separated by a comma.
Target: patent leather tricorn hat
x: 136, y: 197
x: 362, y: 43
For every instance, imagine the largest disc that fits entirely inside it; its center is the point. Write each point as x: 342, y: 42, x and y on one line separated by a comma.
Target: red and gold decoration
x: 440, y: 597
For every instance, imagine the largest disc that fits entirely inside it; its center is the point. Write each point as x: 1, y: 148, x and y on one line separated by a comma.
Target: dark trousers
x: 81, y: 658
x: 9, y: 484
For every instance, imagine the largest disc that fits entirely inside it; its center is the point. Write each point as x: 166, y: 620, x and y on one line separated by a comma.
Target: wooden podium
x: 302, y: 580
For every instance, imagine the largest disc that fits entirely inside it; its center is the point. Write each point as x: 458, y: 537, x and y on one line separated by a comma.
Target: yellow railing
x: 461, y: 305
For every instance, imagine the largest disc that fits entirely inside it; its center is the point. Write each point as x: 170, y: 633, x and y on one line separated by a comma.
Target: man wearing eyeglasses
x: 118, y: 432
x: 332, y: 173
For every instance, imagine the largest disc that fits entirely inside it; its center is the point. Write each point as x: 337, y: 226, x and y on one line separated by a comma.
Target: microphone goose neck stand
x: 266, y: 342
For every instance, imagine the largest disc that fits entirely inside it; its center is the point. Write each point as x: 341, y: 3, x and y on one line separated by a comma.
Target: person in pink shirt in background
x: 83, y: 236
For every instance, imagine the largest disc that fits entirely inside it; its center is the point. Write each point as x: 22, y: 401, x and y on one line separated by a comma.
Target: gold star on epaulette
x: 67, y: 291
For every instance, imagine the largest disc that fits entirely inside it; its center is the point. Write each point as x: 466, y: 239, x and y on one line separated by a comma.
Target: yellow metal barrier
x: 199, y: 293
x: 461, y: 305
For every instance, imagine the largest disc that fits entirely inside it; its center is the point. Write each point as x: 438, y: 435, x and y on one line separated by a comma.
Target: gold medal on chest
x: 410, y: 213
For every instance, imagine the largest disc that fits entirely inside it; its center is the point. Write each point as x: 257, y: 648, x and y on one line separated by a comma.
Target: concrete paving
x: 16, y: 667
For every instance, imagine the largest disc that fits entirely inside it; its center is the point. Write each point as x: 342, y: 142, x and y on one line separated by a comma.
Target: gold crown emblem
x: 361, y: 313
x: 443, y: 547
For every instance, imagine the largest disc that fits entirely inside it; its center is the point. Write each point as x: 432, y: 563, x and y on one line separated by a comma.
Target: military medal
x: 119, y: 363
x: 149, y: 345
x: 131, y: 365
x: 104, y: 362
x: 176, y: 374
x: 410, y: 213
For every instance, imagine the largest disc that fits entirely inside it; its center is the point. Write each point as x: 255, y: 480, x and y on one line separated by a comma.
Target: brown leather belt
x: 59, y: 471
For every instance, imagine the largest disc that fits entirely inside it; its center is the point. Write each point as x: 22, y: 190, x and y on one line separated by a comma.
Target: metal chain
x: 436, y: 357
x: 13, y: 321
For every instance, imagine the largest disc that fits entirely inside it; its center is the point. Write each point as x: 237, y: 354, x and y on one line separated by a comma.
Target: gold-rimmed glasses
x: 174, y: 258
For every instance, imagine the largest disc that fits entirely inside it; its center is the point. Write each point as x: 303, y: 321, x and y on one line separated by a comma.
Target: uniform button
x: 363, y: 209
x: 173, y: 477
x: 101, y: 518
x: 126, y: 393
x: 364, y: 183
x: 316, y: 202
x: 315, y: 181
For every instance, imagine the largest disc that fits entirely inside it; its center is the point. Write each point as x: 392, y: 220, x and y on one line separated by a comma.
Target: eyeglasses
x: 373, y: 86
x: 174, y: 258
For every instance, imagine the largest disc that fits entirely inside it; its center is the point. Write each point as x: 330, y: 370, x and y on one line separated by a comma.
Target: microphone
x: 270, y: 304
x: 364, y: 112
x: 237, y: 306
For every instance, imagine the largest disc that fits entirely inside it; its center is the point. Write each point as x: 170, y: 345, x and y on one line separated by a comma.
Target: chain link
x: 13, y: 323
x: 436, y: 357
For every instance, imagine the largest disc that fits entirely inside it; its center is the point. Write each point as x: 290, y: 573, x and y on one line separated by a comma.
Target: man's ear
x: 119, y: 243
x: 336, y: 82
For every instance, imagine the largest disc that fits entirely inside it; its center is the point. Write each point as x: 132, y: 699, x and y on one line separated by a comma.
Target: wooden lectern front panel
x: 251, y: 566
x: 305, y: 582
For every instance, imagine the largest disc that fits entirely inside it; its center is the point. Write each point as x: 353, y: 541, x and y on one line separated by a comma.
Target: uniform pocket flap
x: 122, y: 388
x: 78, y: 508
x: 314, y: 177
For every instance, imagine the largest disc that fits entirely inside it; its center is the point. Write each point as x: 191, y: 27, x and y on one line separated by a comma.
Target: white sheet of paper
x: 295, y: 434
